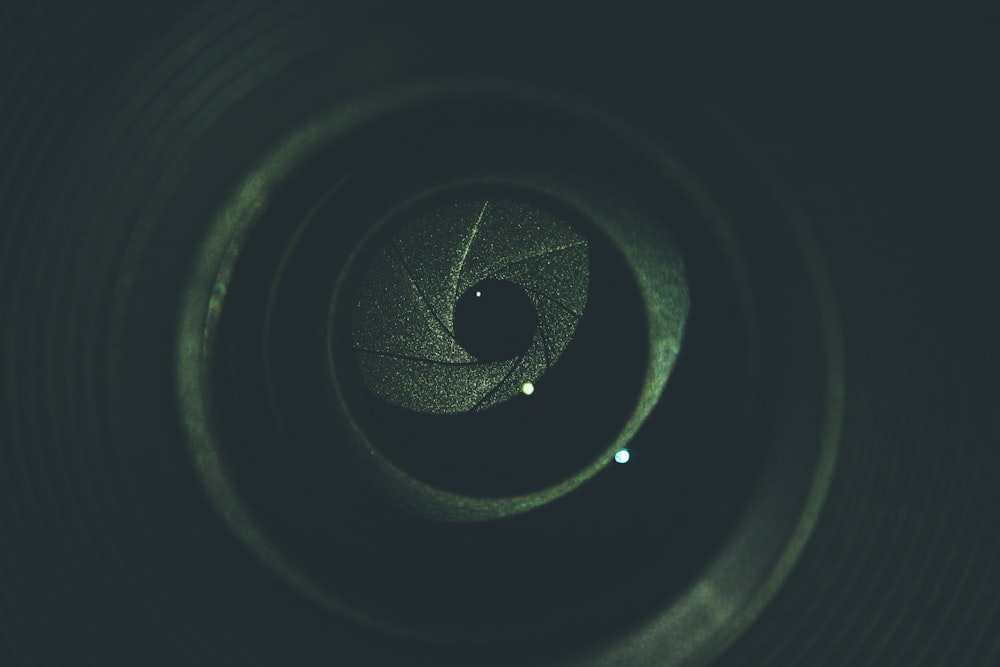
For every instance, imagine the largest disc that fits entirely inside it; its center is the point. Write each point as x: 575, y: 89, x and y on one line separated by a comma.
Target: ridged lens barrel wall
x: 736, y: 407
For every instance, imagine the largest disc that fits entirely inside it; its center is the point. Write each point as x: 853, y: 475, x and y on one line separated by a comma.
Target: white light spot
x: 528, y: 388
x: 478, y: 293
x: 622, y: 456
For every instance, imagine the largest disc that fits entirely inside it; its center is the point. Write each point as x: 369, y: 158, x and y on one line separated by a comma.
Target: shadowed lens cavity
x: 495, y: 320
x: 421, y: 340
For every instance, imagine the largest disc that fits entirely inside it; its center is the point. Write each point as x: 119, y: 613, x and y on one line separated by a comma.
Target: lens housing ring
x: 222, y: 250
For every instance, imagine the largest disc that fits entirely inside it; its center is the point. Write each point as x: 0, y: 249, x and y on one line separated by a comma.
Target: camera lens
x: 394, y: 333
x: 481, y: 338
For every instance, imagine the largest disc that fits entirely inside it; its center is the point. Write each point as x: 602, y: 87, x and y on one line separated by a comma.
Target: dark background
x: 881, y: 125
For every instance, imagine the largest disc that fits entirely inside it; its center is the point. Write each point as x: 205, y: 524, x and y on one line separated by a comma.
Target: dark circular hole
x: 495, y: 320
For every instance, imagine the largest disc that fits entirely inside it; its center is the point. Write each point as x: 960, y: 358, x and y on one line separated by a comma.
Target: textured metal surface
x: 404, y: 328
